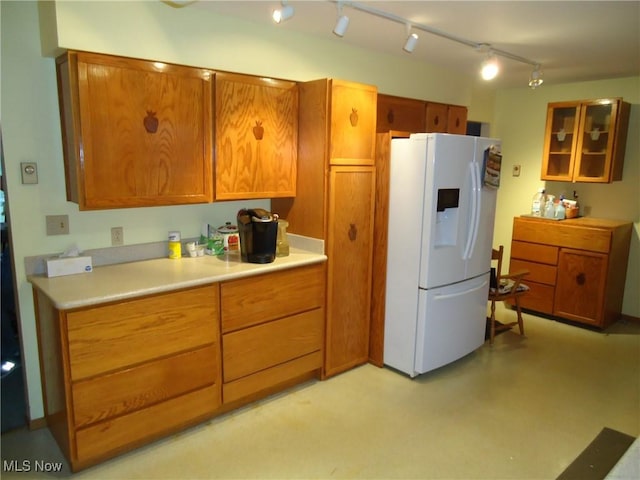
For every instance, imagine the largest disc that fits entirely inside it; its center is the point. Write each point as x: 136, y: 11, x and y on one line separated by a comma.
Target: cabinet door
x: 353, y: 123
x: 580, y: 286
x: 350, y: 249
x: 560, y: 141
x: 137, y: 133
x: 457, y: 120
x: 400, y: 114
x: 594, y: 152
x: 256, y: 137
x: 437, y: 118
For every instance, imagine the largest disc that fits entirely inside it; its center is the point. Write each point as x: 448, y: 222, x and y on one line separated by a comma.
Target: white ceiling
x: 572, y: 40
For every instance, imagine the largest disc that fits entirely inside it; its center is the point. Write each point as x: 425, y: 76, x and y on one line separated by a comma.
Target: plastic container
x: 175, y: 247
x: 538, y: 203
x: 549, y: 207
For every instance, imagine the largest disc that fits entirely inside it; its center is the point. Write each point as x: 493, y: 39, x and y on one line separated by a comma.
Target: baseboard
x: 37, y: 423
x: 630, y: 319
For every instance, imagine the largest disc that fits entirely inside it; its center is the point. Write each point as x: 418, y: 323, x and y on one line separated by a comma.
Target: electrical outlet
x: 57, y: 224
x: 516, y: 170
x: 117, y: 236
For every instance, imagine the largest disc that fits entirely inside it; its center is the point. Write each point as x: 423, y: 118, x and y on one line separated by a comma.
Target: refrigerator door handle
x: 440, y: 296
x: 475, y: 211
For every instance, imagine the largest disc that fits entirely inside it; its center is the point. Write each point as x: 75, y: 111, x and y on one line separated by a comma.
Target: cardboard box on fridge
x: 59, y: 266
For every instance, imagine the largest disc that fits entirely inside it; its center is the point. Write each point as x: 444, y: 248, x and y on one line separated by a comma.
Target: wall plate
x: 29, y: 171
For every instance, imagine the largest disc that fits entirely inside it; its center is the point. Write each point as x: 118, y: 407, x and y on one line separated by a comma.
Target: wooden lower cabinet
x: 577, y: 267
x: 116, y: 376
x: 272, y: 330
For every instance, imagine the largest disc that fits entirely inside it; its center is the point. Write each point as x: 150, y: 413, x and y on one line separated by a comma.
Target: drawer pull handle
x: 581, y: 278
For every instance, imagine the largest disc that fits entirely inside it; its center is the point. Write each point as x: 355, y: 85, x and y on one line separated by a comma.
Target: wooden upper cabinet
x: 353, y: 123
x: 585, y: 140
x: 135, y: 132
x: 400, y: 114
x: 457, y: 119
x: 437, y: 118
x: 256, y: 137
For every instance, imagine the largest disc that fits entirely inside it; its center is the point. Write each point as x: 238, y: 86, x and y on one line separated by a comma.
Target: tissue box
x: 59, y: 266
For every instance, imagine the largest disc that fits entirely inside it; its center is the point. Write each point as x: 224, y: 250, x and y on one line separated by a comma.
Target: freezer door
x: 448, y: 208
x: 451, y: 323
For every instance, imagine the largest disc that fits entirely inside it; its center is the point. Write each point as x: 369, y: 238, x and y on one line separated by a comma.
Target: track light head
x: 284, y: 13
x: 490, y: 67
x: 535, y: 80
x: 410, y: 43
x: 342, y: 23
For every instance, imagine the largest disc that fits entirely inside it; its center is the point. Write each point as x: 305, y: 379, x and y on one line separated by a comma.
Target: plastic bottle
x: 560, y: 211
x: 175, y: 247
x: 538, y: 203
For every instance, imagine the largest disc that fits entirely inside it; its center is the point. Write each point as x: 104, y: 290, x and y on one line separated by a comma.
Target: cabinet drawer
x: 537, y: 272
x: 539, y: 298
x: 264, y: 379
x: 107, y: 338
x: 255, y: 300
x: 125, y: 391
x: 252, y: 349
x: 534, y: 252
x: 105, y: 439
x: 562, y: 235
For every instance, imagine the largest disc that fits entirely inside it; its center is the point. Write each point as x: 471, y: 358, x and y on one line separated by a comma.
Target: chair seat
x: 507, y: 287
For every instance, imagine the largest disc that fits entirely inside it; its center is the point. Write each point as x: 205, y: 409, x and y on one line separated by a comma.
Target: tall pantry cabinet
x: 335, y: 202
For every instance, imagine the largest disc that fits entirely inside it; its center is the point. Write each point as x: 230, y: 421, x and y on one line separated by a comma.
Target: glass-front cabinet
x: 585, y: 140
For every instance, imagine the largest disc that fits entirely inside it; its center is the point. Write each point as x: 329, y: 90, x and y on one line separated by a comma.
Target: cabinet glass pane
x: 561, y: 139
x: 595, y: 141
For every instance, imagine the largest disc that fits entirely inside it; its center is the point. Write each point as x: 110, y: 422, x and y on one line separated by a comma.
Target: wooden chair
x: 508, y: 287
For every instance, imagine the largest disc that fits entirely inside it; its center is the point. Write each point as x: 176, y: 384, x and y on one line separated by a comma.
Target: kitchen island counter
x: 134, y: 279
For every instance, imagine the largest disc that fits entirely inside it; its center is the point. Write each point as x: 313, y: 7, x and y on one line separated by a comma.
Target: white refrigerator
x: 442, y: 200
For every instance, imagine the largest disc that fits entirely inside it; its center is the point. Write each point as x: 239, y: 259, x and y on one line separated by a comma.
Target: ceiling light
x: 411, y: 41
x: 535, y: 80
x: 343, y: 22
x: 282, y: 14
x: 490, y: 67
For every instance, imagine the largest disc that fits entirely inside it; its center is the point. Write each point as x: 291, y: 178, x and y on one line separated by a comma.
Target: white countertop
x: 134, y: 279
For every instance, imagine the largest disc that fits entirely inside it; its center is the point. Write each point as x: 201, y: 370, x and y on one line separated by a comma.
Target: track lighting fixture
x: 411, y: 41
x: 284, y: 13
x: 535, y: 80
x: 490, y: 67
x: 343, y: 22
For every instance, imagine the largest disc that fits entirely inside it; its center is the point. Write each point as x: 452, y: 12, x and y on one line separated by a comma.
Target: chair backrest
x: 496, y: 255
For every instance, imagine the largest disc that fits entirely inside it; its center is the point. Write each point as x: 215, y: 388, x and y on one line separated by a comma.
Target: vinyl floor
x: 522, y: 409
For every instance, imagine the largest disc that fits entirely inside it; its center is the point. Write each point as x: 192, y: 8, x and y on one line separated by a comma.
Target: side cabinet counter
x: 577, y: 266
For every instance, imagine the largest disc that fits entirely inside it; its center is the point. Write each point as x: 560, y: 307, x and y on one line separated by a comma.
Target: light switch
x: 29, y: 172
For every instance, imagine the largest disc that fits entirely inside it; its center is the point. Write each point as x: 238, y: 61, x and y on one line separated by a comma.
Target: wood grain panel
x: 107, y: 396
x: 537, y: 272
x: 437, y: 117
x: 350, y: 248
x: 107, y: 338
x: 400, y: 114
x: 258, y: 299
x: 581, y: 286
x: 263, y: 346
x: 570, y: 235
x: 539, y: 298
x: 108, y: 438
x: 457, y: 119
x: 118, y: 162
x: 353, y: 123
x: 267, y: 379
x: 256, y: 137
x: 534, y: 252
